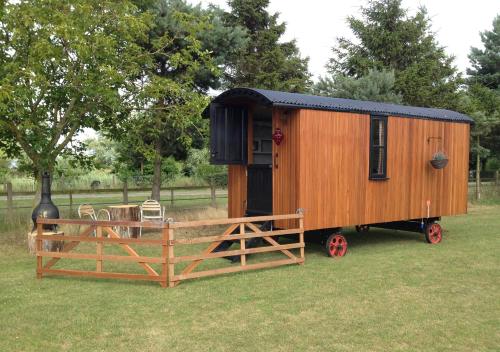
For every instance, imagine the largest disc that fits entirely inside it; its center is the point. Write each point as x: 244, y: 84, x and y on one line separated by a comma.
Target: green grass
x: 392, y: 292
x: 20, y: 218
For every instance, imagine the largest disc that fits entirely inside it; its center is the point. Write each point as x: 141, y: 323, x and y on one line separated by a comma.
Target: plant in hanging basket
x: 439, y: 160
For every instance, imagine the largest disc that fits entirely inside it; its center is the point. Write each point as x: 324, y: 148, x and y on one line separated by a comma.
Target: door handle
x: 276, y: 160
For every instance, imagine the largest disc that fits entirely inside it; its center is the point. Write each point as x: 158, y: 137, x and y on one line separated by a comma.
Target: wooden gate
x: 246, y: 229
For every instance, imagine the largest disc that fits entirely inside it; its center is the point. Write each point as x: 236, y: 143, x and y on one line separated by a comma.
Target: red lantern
x: 278, y: 136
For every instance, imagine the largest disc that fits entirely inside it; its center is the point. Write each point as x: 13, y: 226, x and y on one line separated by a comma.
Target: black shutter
x: 228, y: 135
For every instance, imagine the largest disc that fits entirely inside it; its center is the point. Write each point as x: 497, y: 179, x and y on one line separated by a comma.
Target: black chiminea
x: 45, y: 209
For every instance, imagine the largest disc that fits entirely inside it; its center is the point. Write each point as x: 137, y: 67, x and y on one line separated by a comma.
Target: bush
x: 198, y: 166
x: 492, y: 164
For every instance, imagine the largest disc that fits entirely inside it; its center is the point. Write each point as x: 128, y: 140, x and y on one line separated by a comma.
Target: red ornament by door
x: 278, y: 136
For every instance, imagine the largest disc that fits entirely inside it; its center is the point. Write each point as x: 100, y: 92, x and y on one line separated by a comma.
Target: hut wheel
x: 362, y: 228
x: 433, y: 233
x: 336, y: 245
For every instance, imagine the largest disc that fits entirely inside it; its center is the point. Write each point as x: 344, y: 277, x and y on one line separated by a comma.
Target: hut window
x: 378, y: 147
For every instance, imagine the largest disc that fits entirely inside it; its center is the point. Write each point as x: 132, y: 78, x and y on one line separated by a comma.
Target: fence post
x: 243, y: 257
x: 172, y: 197
x: 301, y: 238
x: 113, y: 182
x: 164, y: 257
x: 99, y: 249
x: 70, y: 202
x: 497, y: 178
x: 212, y: 194
x: 125, y: 191
x: 10, y: 196
x: 171, y: 265
x: 39, y: 234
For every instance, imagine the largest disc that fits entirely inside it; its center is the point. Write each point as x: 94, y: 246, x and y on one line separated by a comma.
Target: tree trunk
x: 478, y: 170
x: 155, y: 191
x: 38, y: 186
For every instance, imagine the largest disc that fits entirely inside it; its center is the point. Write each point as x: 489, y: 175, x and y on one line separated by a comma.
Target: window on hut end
x: 378, y: 147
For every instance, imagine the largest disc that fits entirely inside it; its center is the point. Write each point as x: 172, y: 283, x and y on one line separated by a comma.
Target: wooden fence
x: 212, y: 194
x: 246, y: 229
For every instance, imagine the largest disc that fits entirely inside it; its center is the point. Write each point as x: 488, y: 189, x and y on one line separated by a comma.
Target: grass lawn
x: 392, y: 292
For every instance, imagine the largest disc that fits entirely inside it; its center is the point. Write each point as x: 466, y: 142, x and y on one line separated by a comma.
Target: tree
x: 182, y: 71
x: 483, y: 99
x: 5, y: 166
x: 388, y: 38
x: 483, y: 104
x: 190, y: 63
x: 486, y: 62
x: 65, y: 66
x: 265, y: 62
x: 375, y: 86
x: 485, y: 71
x: 103, y: 152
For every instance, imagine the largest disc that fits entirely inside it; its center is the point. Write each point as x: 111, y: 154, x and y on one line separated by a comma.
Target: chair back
x: 86, y: 210
x: 151, y: 209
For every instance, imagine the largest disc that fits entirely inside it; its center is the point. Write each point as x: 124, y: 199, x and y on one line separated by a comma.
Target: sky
x: 315, y: 24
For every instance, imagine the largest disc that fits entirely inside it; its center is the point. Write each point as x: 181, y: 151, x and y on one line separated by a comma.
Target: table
x: 125, y: 212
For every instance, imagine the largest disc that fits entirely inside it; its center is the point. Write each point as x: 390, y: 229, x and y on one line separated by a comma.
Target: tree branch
x: 66, y: 140
x: 57, y: 130
x: 22, y: 141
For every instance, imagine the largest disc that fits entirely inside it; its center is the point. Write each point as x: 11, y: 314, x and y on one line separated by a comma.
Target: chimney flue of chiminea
x: 46, y: 208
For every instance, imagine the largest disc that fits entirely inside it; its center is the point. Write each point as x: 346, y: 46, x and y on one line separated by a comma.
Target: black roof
x: 296, y: 100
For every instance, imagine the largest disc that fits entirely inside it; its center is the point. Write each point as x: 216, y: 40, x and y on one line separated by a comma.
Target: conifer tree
x: 387, y: 37
x: 265, y: 62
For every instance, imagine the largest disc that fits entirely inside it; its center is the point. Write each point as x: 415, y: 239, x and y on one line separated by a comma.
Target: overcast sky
x: 316, y: 23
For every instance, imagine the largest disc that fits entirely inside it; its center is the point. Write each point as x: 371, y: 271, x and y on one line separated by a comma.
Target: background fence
x: 72, y: 198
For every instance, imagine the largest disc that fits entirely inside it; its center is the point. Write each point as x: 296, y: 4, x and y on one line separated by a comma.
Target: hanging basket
x: 439, y: 163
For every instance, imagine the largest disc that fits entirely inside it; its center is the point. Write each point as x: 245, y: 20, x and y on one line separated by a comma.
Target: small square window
x: 378, y: 147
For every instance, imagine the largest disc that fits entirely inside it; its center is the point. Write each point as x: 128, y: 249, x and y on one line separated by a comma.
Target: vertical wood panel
x: 236, y: 190
x: 286, y: 166
x: 334, y: 160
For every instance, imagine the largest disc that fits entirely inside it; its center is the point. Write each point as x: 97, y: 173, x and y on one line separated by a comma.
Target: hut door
x: 228, y: 135
x: 260, y: 189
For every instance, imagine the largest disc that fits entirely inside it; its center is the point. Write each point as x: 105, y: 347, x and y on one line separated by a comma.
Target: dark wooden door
x: 259, y: 189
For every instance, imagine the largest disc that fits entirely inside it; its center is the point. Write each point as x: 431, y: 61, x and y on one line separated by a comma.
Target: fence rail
x: 240, y: 230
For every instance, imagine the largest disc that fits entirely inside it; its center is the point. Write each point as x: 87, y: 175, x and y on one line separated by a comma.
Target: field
x: 392, y: 292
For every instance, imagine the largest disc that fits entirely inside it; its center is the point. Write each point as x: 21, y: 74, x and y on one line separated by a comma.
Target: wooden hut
x: 342, y: 162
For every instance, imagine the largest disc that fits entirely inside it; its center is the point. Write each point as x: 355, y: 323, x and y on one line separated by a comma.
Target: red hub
x: 336, y: 245
x: 433, y: 233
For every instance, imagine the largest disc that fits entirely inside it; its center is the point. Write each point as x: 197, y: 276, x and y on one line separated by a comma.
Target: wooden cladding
x: 323, y: 166
x: 335, y: 189
x: 236, y: 190
x: 286, y: 185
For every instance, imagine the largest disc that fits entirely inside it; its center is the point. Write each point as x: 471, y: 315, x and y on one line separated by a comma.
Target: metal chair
x: 151, y: 210
x: 86, y: 210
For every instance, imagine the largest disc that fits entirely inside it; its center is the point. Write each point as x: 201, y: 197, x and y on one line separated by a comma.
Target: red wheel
x: 362, y: 228
x: 433, y: 233
x: 336, y: 245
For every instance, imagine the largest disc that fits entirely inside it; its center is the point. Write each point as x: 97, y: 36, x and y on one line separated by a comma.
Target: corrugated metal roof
x: 295, y: 100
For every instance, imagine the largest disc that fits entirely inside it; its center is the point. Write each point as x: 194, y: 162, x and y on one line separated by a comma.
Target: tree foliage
x: 387, y: 37
x: 265, y: 62
x: 173, y: 96
x: 65, y: 66
x: 375, y: 86
x: 486, y: 62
